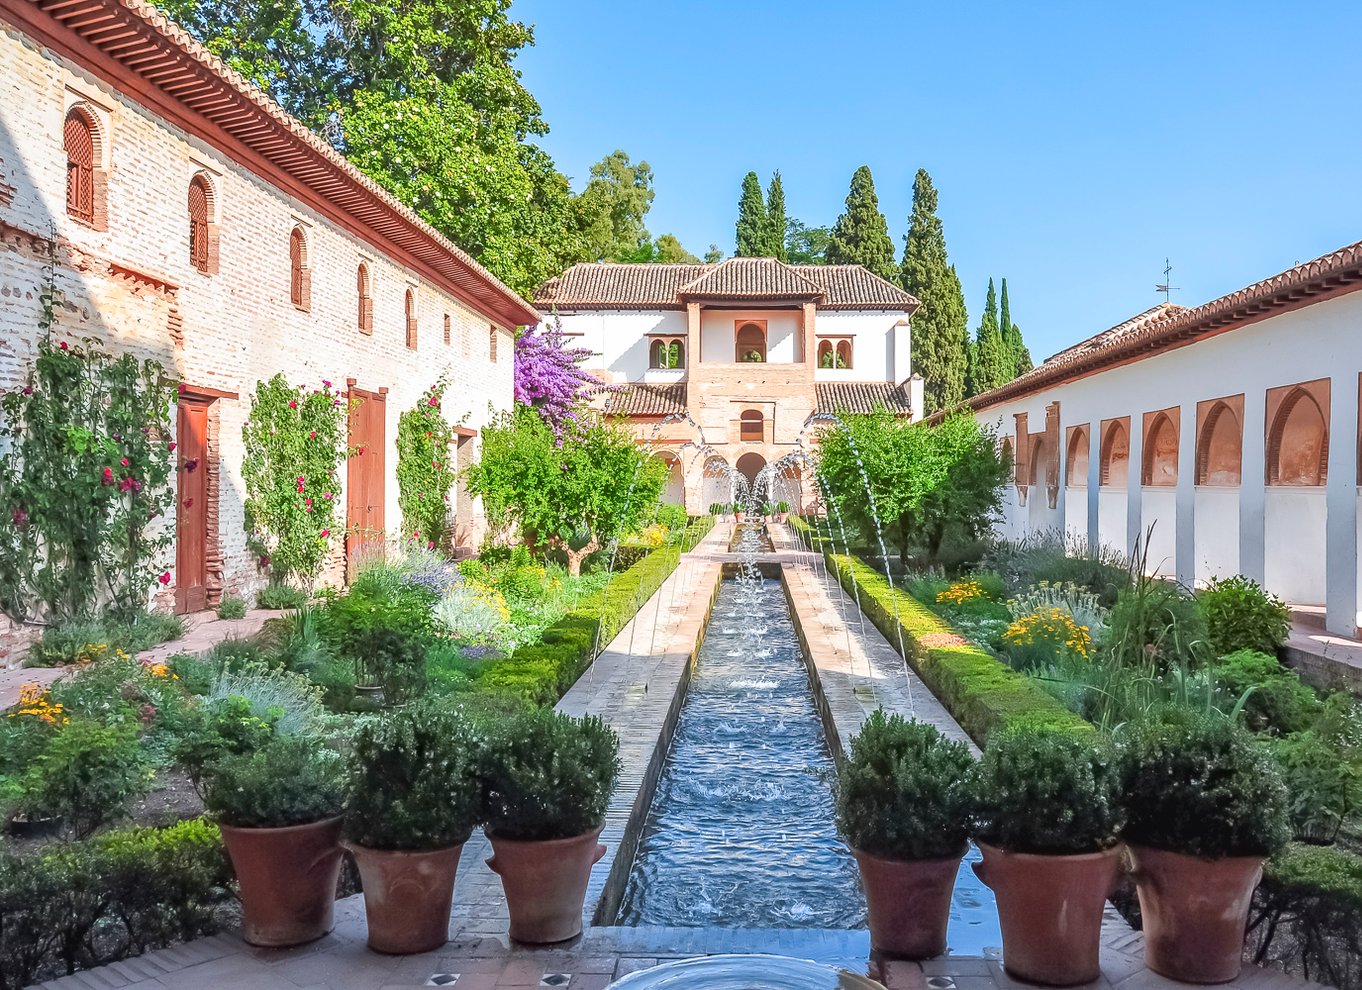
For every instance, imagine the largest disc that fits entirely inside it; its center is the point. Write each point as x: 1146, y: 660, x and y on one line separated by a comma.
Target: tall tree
x: 774, y: 246
x: 940, y: 328
x: 714, y: 255
x: 861, y: 234
x: 992, y: 363
x: 613, y: 207
x: 668, y: 251
x: 752, y: 219
x: 1018, y: 356
x: 805, y: 245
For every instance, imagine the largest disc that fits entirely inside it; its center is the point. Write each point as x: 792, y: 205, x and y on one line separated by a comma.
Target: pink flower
x: 416, y: 533
x: 326, y: 532
x: 326, y: 495
x: 106, y: 477
x: 430, y: 545
x: 307, y: 501
x: 164, y: 578
x: 433, y: 401
x: 124, y: 462
x: 293, y: 403
x: 28, y: 390
x: 63, y: 346
x: 188, y: 503
x: 125, y: 485
x: 325, y: 383
x: 300, y: 479
x: 171, y: 445
x: 312, y: 435
x: 308, y: 509
x: 20, y: 518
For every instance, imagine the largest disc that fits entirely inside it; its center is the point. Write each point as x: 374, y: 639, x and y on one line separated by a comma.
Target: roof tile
x: 861, y: 397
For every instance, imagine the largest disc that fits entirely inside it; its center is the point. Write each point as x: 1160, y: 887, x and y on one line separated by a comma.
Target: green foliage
x: 1051, y: 556
x: 1018, y: 357
x: 86, y: 904
x: 574, y: 492
x: 1322, y: 766
x: 1200, y: 784
x: 414, y: 781
x: 940, y: 327
x: 1156, y: 620
x: 773, y: 245
x: 752, y: 219
x: 88, y: 468
x: 1275, y: 700
x: 614, y: 204
x: 425, y: 469
x: 280, y: 596
x: 393, y: 659
x: 550, y: 776
x: 1307, y: 914
x: 87, y: 775
x: 294, y: 440
x: 232, y: 608
x: 71, y: 642
x: 1048, y: 792
x: 861, y: 234
x: 905, y: 791
x: 1242, y: 616
x: 990, y: 364
x: 288, y: 701
x: 291, y: 780
x: 222, y: 727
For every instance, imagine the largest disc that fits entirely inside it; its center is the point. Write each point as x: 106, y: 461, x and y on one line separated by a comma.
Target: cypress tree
x: 992, y: 364
x: 861, y: 234
x: 752, y: 221
x: 940, y: 328
x: 775, y: 219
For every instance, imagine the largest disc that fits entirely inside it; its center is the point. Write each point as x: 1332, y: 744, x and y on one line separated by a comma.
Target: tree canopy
x: 861, y: 234
x: 990, y: 362
x: 752, y: 219
x: 549, y: 377
x: 776, y: 220
x: 940, y: 327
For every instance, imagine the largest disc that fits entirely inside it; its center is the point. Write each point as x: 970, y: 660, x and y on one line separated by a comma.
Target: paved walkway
x: 1323, y: 659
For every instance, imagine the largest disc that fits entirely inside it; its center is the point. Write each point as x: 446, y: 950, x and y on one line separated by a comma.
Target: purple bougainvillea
x: 549, y: 377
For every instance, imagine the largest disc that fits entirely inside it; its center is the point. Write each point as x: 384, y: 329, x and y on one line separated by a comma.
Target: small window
x: 201, y: 251
x: 834, y: 354
x: 751, y: 343
x: 447, y: 330
x: 844, y: 354
x: 492, y: 345
x: 300, y: 275
x: 666, y: 353
x: 80, y: 165
x: 752, y: 426
x: 366, y: 299
x: 411, y: 319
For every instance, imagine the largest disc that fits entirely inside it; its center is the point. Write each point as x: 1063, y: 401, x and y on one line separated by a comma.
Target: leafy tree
x: 1018, y: 356
x: 714, y: 255
x: 668, y: 251
x: 613, y: 206
x: 861, y: 234
x: 991, y: 363
x: 922, y: 482
x: 752, y: 219
x: 805, y: 245
x: 940, y: 328
x: 775, y: 220
x: 574, y: 491
x: 549, y: 377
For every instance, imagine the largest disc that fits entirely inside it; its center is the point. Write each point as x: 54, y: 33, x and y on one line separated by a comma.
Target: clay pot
x: 740, y: 516
x: 287, y: 878
x: 1051, y: 911
x: 782, y: 517
x: 407, y: 897
x: 545, y: 882
x: 909, y: 903
x: 1195, y: 912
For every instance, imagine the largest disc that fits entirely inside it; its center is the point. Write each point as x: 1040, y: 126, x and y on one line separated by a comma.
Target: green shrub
x: 1322, y: 766
x: 414, y: 781
x: 289, y: 701
x: 73, y: 641
x: 195, y: 673
x: 393, y: 659
x: 232, y: 608
x: 280, y: 596
x: 1275, y: 700
x: 905, y: 791
x: 1156, y: 620
x: 1242, y: 616
x: 1200, y: 784
x: 291, y: 780
x: 223, y: 727
x: 1060, y: 558
x: 1048, y: 792
x: 87, y: 775
x: 550, y: 776
x: 1308, y: 914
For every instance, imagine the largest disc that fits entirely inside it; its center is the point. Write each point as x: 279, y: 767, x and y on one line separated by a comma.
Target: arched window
x: 1115, y: 457
x: 834, y: 353
x: 1219, y: 455
x: 1039, y: 454
x: 448, y: 333
x: 1006, y: 450
x: 202, y: 240
x: 300, y: 274
x: 411, y: 319
x: 752, y: 426
x: 1160, y: 462
x: 844, y: 354
x: 1076, y: 461
x: 666, y: 353
x: 751, y: 343
x: 364, y: 290
x: 81, y: 140
x: 1298, y: 444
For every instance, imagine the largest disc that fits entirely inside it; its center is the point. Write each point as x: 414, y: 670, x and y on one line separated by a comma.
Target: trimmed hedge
x: 83, y: 904
x: 543, y: 672
x: 1307, y: 914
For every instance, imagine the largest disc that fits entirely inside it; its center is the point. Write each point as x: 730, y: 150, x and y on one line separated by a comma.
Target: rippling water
x: 741, y: 831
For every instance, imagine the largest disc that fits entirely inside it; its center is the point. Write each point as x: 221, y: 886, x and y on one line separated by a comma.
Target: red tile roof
x: 646, y: 399
x: 861, y: 397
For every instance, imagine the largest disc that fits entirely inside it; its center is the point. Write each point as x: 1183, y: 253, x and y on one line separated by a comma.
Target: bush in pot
x: 1206, y: 806
x: 904, y: 801
x: 1049, y: 811
x: 414, y: 797
x: 279, y: 809
x: 548, y: 779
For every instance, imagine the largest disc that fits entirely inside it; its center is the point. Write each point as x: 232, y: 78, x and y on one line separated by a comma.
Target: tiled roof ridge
x: 1323, y: 274
x: 696, y: 286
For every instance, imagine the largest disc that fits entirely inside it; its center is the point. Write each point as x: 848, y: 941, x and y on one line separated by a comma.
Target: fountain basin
x: 744, y: 972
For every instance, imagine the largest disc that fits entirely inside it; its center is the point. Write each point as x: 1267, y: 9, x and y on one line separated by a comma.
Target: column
x: 1252, y: 488
x: 1184, y: 551
x: 1135, y: 486
x: 1340, y: 554
x: 1094, y: 481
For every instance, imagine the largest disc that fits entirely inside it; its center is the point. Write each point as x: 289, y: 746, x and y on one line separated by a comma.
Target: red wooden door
x: 191, y: 512
x: 365, y: 476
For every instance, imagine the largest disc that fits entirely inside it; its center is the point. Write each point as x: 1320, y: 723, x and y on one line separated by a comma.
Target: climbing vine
x: 86, y: 467
x: 294, y: 439
x: 425, y: 469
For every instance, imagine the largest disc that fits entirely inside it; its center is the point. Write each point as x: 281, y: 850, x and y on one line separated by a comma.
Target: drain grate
x: 555, y: 980
x: 442, y: 979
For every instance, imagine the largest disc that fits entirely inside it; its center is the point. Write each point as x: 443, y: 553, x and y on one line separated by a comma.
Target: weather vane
x: 1164, y: 286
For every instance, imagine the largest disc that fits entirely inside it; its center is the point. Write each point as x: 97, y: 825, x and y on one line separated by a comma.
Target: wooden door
x: 191, y: 512
x: 365, y: 476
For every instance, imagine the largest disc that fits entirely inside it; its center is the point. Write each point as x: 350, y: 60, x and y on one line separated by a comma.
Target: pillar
x: 1340, y: 506
x: 1184, y: 550
x: 1135, y: 487
x: 1252, y: 487
x: 1094, y: 491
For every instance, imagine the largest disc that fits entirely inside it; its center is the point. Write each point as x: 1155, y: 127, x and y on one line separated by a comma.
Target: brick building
x: 720, y: 368
x: 189, y: 219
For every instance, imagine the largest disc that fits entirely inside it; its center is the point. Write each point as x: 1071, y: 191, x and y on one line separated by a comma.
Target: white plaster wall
x: 1158, y: 507
x: 1217, y: 533
x: 1076, y: 512
x: 717, y: 327
x: 1293, y: 533
x: 1111, y: 519
x: 619, y: 341
x: 872, y: 348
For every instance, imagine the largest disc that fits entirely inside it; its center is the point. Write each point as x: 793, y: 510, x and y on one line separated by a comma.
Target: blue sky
x: 1074, y: 145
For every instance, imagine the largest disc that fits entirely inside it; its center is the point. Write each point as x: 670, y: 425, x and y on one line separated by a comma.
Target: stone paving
x: 635, y: 685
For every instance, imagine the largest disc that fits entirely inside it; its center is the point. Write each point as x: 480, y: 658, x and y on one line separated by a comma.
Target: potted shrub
x: 719, y: 511
x: 739, y: 513
x: 548, y: 780
x: 1047, y: 820
x: 782, y: 511
x: 414, y: 798
x: 1206, y: 806
x: 903, y: 805
x: 279, y: 809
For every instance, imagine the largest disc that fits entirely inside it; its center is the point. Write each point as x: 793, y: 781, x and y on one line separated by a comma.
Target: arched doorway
x: 716, y: 486
x: 675, y: 491
x: 749, y: 466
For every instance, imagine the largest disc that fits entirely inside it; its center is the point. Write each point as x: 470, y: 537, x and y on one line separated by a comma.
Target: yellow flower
x: 960, y: 592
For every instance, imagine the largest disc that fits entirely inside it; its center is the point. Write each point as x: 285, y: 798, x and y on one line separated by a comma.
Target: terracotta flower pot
x: 1051, y: 909
x: 1195, y: 912
x: 407, y: 897
x: 287, y: 878
x: 740, y: 516
x: 545, y: 882
x: 909, y: 903
x: 782, y: 517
